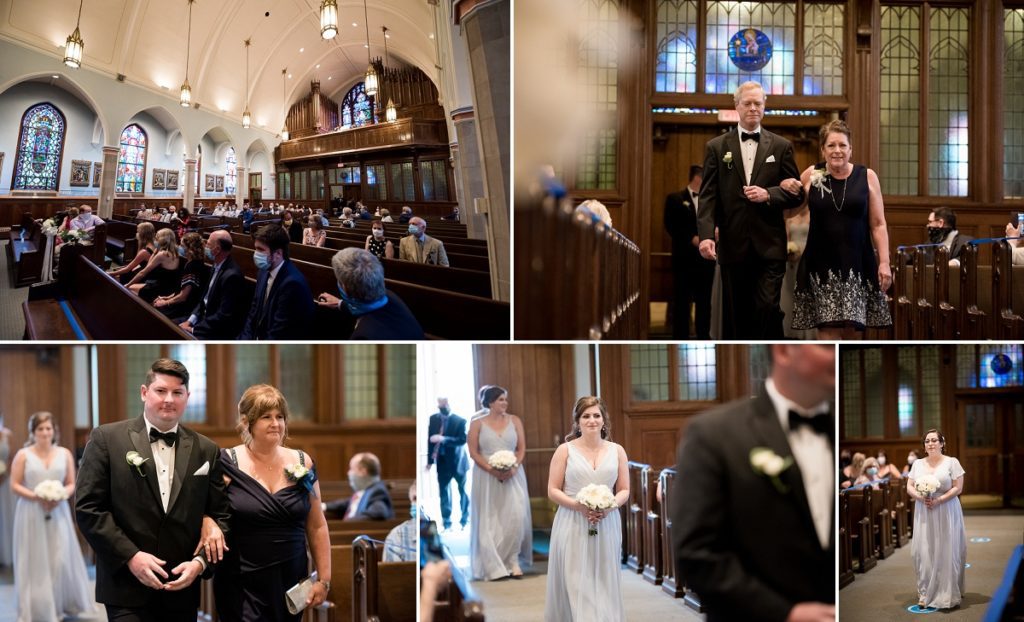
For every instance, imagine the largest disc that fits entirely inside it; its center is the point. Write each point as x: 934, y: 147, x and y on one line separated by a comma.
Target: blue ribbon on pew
x: 79, y: 333
x: 865, y: 484
x: 980, y: 241
x: 994, y: 613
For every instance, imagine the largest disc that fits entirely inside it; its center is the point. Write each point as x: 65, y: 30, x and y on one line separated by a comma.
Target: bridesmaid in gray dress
x: 939, y: 547
x: 6, y: 501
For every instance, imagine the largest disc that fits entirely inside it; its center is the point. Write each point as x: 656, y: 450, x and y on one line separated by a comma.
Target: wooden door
x: 993, y: 447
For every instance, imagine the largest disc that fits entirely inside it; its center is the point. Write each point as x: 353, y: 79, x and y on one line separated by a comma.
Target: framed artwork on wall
x: 172, y: 180
x: 97, y: 174
x: 159, y: 178
x: 210, y: 183
x: 220, y: 183
x: 80, y: 172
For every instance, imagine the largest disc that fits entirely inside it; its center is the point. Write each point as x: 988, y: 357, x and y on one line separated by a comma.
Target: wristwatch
x: 327, y: 584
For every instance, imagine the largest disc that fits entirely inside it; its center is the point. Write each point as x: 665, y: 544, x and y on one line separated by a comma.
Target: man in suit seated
x: 942, y: 230
x: 221, y: 311
x: 753, y: 507
x: 420, y: 247
x: 283, y: 305
x: 371, y: 500
x: 406, y: 215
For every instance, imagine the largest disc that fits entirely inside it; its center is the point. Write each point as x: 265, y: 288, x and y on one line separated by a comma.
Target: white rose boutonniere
x: 818, y: 176
x: 768, y: 463
x: 136, y: 460
x: 300, y: 475
x: 727, y: 158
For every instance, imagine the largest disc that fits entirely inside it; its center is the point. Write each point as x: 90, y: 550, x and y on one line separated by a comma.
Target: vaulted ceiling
x: 145, y: 40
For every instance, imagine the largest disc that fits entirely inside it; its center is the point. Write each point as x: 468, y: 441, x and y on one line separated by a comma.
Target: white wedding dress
x: 584, y: 571
x: 939, y: 545
x: 50, y: 578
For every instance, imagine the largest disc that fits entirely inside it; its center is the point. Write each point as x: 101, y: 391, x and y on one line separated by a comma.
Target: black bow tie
x: 754, y: 136
x: 169, y: 437
x: 820, y: 424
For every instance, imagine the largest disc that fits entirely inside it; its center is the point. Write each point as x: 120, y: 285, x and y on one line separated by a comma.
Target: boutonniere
x: 818, y: 176
x: 728, y: 159
x: 768, y: 463
x: 136, y: 460
x: 300, y: 475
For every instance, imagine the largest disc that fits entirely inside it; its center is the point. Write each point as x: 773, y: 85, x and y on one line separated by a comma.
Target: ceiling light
x: 186, y: 90
x: 246, y: 115
x: 75, y: 46
x: 328, y: 19
x: 301, y: 50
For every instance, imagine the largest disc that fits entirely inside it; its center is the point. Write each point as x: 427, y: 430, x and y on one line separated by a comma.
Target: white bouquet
x: 503, y: 460
x: 926, y: 485
x: 50, y: 490
x: 49, y: 227
x: 596, y: 497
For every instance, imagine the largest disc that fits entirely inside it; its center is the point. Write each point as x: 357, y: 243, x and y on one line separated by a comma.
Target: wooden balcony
x: 401, y: 134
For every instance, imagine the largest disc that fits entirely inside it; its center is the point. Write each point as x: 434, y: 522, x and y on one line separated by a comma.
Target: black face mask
x: 937, y: 234
x: 445, y: 410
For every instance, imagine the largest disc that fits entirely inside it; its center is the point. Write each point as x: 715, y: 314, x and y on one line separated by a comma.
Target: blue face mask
x: 261, y: 259
x: 872, y: 471
x: 414, y: 230
x: 181, y: 251
x: 357, y: 308
x: 412, y: 511
x: 209, y: 253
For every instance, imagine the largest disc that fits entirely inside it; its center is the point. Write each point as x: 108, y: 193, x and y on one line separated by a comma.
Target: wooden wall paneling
x: 111, y: 374
x: 221, y: 393
x: 37, y: 387
x: 330, y: 361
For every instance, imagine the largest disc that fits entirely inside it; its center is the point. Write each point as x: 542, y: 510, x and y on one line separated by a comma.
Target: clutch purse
x: 298, y: 594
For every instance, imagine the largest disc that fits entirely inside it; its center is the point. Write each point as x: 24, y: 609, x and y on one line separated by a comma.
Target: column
x: 469, y: 171
x: 241, y: 188
x: 189, y: 198
x: 105, y: 203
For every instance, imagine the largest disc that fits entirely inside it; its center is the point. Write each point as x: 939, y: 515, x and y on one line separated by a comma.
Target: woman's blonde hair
x: 167, y: 240
x: 144, y: 233
x: 257, y: 401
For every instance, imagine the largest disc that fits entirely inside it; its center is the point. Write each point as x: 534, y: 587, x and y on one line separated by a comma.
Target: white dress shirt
x: 813, y: 454
x: 163, y: 460
x: 749, y: 149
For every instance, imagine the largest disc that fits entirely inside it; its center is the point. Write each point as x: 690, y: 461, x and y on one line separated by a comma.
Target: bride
x: 583, y: 569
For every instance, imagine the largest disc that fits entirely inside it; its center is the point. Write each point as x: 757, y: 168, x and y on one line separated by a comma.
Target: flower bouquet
x: 72, y: 236
x: 50, y: 490
x: 49, y: 227
x: 596, y: 497
x: 502, y: 460
x: 926, y: 485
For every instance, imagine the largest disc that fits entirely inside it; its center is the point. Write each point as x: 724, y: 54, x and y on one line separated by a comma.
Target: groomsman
x: 446, y: 445
x: 691, y: 274
x: 753, y: 506
x: 143, y: 489
x: 750, y: 178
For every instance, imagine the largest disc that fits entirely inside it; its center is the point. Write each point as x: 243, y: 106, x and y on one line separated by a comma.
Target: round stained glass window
x: 750, y: 49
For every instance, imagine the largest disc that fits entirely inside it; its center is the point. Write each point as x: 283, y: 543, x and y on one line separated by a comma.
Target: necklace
x: 842, y: 203
x: 255, y: 462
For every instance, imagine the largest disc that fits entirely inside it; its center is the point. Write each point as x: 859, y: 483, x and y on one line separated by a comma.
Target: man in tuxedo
x: 221, y: 310
x: 371, y: 500
x: 942, y: 230
x: 282, y: 307
x: 750, y: 177
x: 143, y: 489
x: 753, y: 505
x: 446, y: 447
x: 691, y: 274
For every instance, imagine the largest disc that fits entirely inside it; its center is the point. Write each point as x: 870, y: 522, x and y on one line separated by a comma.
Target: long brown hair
x: 942, y: 440
x: 582, y: 404
x: 38, y: 419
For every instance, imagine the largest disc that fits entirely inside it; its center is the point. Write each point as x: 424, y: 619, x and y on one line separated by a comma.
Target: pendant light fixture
x: 246, y: 115
x: 186, y: 90
x: 75, y: 46
x: 284, y: 104
x: 370, y: 83
x: 391, y: 113
x: 329, y: 19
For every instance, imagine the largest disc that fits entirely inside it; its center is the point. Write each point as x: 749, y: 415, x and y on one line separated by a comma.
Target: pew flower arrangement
x: 766, y: 462
x: 136, y: 460
x: 818, y: 176
x: 50, y: 490
x: 301, y: 475
x: 596, y: 497
x: 49, y: 227
x: 926, y: 485
x: 72, y: 236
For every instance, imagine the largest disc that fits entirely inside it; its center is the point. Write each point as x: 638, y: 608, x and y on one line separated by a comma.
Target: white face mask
x: 881, y: 460
x: 378, y: 233
x: 910, y: 459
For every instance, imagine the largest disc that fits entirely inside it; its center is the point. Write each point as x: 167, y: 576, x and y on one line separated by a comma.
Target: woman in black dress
x: 162, y: 274
x: 292, y: 226
x: 377, y: 244
x: 275, y: 511
x: 194, y: 279
x: 840, y: 284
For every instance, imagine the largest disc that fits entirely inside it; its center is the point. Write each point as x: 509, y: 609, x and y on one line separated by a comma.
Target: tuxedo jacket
x: 681, y: 224
x: 451, y: 452
x: 746, y: 229
x: 375, y: 504
x: 288, y: 310
x: 222, y: 315
x: 119, y: 510
x: 433, y: 251
x: 750, y: 551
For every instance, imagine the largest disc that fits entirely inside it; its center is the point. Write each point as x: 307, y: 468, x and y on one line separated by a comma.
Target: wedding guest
x: 370, y: 499
x: 377, y: 244
x: 400, y: 543
x: 194, y: 278
x: 840, y: 286
x: 145, y: 234
x: 162, y: 274
x: 942, y: 229
x: 220, y: 312
x: 182, y: 223
x: 939, y: 546
x: 912, y: 457
x: 886, y: 468
x: 86, y: 221
x: 406, y: 215
x: 275, y: 513
x: 282, y: 307
x: 446, y: 447
x: 501, y: 532
x: 870, y: 474
x: 292, y: 227
x: 50, y: 579
x: 583, y: 567
x: 419, y: 247
x: 385, y: 216
x: 852, y: 471
x: 1018, y: 247
x: 314, y: 234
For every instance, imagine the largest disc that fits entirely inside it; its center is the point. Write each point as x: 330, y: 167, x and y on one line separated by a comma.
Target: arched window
x: 40, y: 147
x: 357, y: 108
x: 231, y: 175
x: 131, y: 162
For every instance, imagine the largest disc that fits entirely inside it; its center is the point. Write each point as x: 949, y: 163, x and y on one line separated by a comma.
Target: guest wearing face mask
x: 852, y: 471
x: 886, y: 468
x: 292, y: 227
x: 221, y: 311
x: 911, y: 458
x: 844, y: 459
x: 870, y: 474
x: 942, y: 230
x: 282, y: 307
x: 400, y: 545
x: 377, y: 244
x: 420, y: 247
x: 370, y: 499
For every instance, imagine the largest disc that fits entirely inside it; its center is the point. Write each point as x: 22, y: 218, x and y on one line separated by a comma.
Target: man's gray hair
x: 360, y: 274
x: 749, y: 84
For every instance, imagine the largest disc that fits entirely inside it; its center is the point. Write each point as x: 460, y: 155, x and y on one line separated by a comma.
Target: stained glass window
x: 37, y: 164
x: 231, y: 172
x: 697, y: 372
x: 376, y: 182
x: 434, y: 175
x: 676, y: 68
x: 131, y: 162
x: 947, y: 102
x: 900, y: 99
x: 823, y: 49
x: 1013, y: 103
x: 403, y: 187
x: 776, y: 20
x: 357, y: 108
x: 598, y: 67
x: 990, y: 366
x: 649, y: 372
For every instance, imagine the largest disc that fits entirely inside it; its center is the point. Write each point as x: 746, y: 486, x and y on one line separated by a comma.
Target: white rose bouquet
x: 926, y: 485
x: 503, y: 460
x: 818, y: 176
x: 596, y: 497
x: 49, y: 227
x: 50, y: 490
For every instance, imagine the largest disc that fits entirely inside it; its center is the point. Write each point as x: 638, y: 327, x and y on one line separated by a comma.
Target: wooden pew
x: 381, y: 590
x: 121, y: 240
x: 635, y: 517
x: 456, y: 260
x: 883, y: 521
x: 671, y: 580
x: 652, y: 511
x: 1009, y: 325
x: 846, y: 575
x: 862, y: 527
x: 26, y: 249
x: 340, y: 593
x: 457, y: 602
